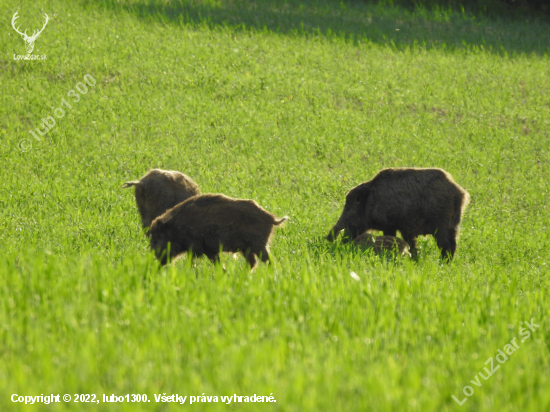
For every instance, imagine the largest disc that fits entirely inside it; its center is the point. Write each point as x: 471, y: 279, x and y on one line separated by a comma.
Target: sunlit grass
x: 249, y: 102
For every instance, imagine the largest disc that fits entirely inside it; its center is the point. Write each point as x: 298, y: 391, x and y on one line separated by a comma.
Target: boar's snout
x: 336, y: 229
x: 332, y: 235
x: 167, y: 252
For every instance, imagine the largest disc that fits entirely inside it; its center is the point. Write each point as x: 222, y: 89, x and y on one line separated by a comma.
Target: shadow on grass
x: 356, y: 21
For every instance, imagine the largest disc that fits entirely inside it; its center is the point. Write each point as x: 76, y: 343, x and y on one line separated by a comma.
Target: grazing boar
x: 209, y: 223
x: 160, y: 190
x: 414, y: 201
x: 383, y: 243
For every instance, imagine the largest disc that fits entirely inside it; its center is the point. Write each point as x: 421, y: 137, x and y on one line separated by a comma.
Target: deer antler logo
x: 29, y: 40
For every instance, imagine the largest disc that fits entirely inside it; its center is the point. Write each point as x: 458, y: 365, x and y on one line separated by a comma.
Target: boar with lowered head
x: 160, y: 190
x: 414, y: 201
x: 209, y: 223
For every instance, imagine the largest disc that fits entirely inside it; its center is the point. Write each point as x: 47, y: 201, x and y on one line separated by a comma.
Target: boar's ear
x: 361, y: 194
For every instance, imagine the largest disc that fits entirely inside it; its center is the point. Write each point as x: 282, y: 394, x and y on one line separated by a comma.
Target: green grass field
x: 291, y: 104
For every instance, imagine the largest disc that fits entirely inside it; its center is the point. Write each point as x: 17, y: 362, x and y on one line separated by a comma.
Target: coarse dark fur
x: 382, y: 244
x: 412, y: 200
x: 209, y: 223
x: 160, y: 190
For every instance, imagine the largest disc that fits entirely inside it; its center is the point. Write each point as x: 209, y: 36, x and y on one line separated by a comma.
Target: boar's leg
x: 446, y: 241
x: 250, y: 258
x: 264, y: 256
x: 452, y: 240
x: 214, y: 257
x: 411, y: 240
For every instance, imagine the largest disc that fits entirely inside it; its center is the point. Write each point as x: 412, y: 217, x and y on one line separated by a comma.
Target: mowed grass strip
x: 258, y: 106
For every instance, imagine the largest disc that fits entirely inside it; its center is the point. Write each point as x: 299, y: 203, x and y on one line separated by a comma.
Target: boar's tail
x: 130, y: 184
x: 280, y: 221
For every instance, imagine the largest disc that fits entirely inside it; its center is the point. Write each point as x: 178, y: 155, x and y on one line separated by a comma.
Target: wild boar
x: 209, y: 223
x: 160, y: 190
x: 414, y: 201
x: 383, y: 244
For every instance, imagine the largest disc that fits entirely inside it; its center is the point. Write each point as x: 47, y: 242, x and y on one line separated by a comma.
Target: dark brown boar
x: 209, y: 223
x: 381, y: 244
x: 414, y: 201
x: 160, y: 190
